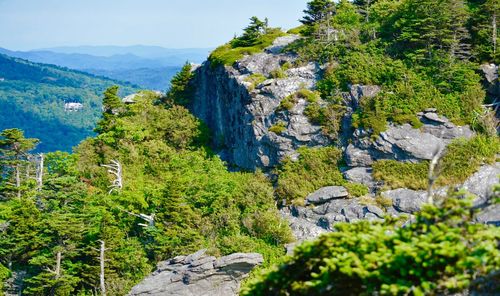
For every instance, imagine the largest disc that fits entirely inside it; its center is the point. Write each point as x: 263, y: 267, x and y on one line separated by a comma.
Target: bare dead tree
x: 149, y: 219
x: 39, y: 171
x: 102, y: 260
x: 432, y: 176
x: 57, y: 271
x: 115, y: 168
x: 494, y: 33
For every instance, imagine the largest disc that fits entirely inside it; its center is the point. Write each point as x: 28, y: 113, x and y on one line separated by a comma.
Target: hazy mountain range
x: 150, y: 67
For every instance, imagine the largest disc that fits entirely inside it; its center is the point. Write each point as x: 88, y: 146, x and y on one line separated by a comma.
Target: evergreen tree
x: 251, y: 33
x: 112, y: 106
x: 317, y: 10
x: 180, y: 91
x: 426, y: 29
x: 14, y: 148
x: 484, y: 29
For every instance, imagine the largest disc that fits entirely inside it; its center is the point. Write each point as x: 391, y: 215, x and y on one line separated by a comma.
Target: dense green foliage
x: 314, y: 169
x: 461, y: 159
x: 441, y: 252
x: 32, y: 98
x: 422, y: 53
x: 195, y: 201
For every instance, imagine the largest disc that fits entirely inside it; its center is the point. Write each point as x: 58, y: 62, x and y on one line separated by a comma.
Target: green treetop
x: 111, y: 107
x: 317, y: 10
x: 251, y: 33
x: 14, y: 148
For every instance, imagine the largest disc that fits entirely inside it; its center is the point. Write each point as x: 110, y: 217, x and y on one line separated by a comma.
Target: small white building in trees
x: 73, y: 106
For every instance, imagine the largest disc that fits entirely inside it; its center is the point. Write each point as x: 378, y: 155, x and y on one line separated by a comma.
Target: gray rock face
x: 482, y: 182
x: 358, y: 92
x: 406, y: 200
x: 490, y: 72
x: 240, y: 114
x: 326, y: 194
x: 310, y: 222
x: 405, y: 143
x: 198, y: 274
x: 490, y: 215
x: 362, y: 175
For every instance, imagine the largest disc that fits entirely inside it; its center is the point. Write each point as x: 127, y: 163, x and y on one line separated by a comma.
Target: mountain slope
x: 33, y: 96
x: 149, y: 67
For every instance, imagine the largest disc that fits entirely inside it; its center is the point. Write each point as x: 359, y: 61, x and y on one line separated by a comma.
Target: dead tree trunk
x: 18, y: 180
x: 39, y: 172
x: 115, y: 168
x: 58, y: 265
x: 494, y: 34
x: 102, y: 260
x: 432, y: 174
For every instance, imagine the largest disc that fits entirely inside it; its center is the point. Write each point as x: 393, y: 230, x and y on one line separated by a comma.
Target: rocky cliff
x: 240, y: 112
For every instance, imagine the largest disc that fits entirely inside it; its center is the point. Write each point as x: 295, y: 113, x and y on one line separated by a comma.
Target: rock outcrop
x: 405, y: 143
x: 198, y: 274
x: 491, y: 81
x: 240, y: 113
x: 329, y: 207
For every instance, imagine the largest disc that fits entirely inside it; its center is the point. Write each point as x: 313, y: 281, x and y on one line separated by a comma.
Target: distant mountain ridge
x: 149, y: 67
x: 33, y: 97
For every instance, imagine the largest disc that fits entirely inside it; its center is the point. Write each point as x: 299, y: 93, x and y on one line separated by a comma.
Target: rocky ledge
x: 329, y: 205
x: 405, y: 143
x: 240, y: 111
x: 198, y: 274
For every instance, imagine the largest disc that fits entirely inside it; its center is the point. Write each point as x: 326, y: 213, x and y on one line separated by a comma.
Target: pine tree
x: 484, y: 28
x: 426, y: 29
x: 112, y: 106
x: 14, y: 148
x: 251, y: 33
x: 180, y: 91
x: 317, y: 10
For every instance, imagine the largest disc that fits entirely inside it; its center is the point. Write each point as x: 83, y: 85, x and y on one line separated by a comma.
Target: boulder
x: 362, y: 175
x: 490, y: 74
x: 325, y: 194
x: 310, y: 222
x: 406, y: 200
x: 482, y: 182
x: 198, y: 274
x: 490, y: 215
x: 405, y: 143
x: 359, y: 91
x: 280, y: 43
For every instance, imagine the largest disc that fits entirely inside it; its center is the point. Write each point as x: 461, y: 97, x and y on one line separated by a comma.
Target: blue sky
x: 30, y: 24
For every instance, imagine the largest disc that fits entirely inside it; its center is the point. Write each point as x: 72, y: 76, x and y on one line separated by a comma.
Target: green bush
x: 315, y: 168
x: 329, y: 117
x: 356, y: 189
x: 255, y: 79
x: 228, y: 55
x: 278, y: 73
x: 464, y: 157
x: 442, y: 252
x: 287, y: 103
x: 396, y: 174
x: 278, y: 128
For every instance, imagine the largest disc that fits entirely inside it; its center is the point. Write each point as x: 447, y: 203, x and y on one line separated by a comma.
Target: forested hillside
x: 173, y: 197
x: 362, y: 159
x: 33, y: 97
